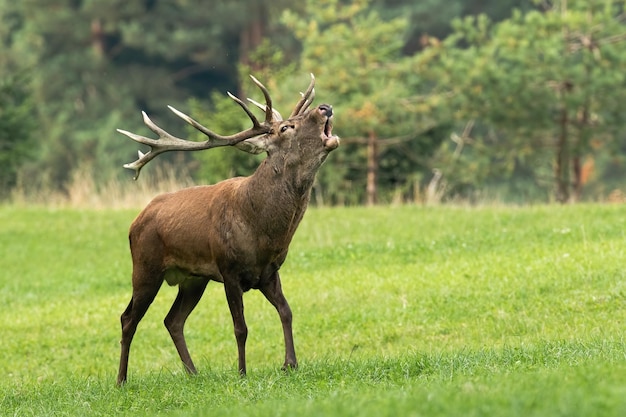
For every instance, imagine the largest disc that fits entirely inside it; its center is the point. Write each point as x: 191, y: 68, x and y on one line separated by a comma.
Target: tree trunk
x: 252, y: 35
x: 578, y: 178
x: 97, y: 39
x: 372, y: 169
x: 250, y: 38
x: 561, y: 167
x: 584, y: 134
x: 577, y: 166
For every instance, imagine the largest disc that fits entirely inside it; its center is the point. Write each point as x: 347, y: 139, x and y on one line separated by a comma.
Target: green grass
x: 397, y: 311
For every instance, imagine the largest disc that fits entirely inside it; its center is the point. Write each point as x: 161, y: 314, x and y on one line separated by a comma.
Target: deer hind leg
x: 189, y: 294
x: 140, y: 301
x: 273, y: 291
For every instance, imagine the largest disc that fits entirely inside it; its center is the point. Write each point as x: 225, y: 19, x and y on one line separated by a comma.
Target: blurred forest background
x: 435, y: 100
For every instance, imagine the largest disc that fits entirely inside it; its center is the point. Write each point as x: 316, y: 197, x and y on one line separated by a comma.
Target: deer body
x: 236, y: 232
x: 234, y: 225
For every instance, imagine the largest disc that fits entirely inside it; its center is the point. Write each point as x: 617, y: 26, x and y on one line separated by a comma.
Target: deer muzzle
x: 330, y: 142
x: 326, y: 109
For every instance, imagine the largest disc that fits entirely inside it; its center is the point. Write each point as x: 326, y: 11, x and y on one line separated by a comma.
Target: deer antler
x: 301, y: 107
x: 306, y: 100
x: 167, y: 142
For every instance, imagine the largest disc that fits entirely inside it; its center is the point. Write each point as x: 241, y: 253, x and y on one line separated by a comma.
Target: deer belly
x: 176, y: 276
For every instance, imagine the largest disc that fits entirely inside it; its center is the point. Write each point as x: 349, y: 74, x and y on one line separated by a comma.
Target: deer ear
x: 255, y: 145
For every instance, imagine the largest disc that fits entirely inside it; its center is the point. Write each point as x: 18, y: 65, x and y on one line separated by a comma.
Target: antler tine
x: 251, y: 115
x: 219, y: 140
x: 277, y: 115
x: 269, y: 113
x: 198, y: 126
x: 165, y: 143
x: 306, y: 100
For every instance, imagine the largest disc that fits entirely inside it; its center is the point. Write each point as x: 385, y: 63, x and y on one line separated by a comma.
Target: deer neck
x: 286, y: 175
x: 278, y: 193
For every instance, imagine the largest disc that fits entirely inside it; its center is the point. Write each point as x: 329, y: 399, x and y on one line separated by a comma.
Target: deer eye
x: 284, y: 128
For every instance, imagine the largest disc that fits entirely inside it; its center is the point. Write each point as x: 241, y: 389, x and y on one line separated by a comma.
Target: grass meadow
x: 398, y: 311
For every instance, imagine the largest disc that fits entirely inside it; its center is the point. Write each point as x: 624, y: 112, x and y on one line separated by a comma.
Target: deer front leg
x: 274, y: 293
x: 234, y: 296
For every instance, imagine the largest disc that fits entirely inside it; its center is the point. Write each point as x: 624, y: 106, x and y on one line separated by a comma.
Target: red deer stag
x: 236, y: 232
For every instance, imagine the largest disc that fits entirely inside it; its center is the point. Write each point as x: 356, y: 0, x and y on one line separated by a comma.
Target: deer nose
x: 326, y: 109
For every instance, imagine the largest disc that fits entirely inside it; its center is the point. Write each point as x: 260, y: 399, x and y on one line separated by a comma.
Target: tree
x: 17, y: 128
x: 95, y: 64
x: 540, y: 83
x: 432, y: 18
x: 359, y: 58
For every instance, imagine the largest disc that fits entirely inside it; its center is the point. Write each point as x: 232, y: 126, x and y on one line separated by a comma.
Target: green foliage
x: 540, y: 83
x: 402, y: 74
x: 378, y: 94
x: 17, y: 129
x: 358, y: 56
x: 360, y: 79
x: 434, y: 17
x: 95, y: 65
x: 397, y: 311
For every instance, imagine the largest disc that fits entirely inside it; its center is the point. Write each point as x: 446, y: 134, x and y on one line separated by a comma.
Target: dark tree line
x: 435, y: 100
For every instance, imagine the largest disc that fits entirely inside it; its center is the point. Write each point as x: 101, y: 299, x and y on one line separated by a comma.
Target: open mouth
x: 328, y: 127
x: 330, y: 142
